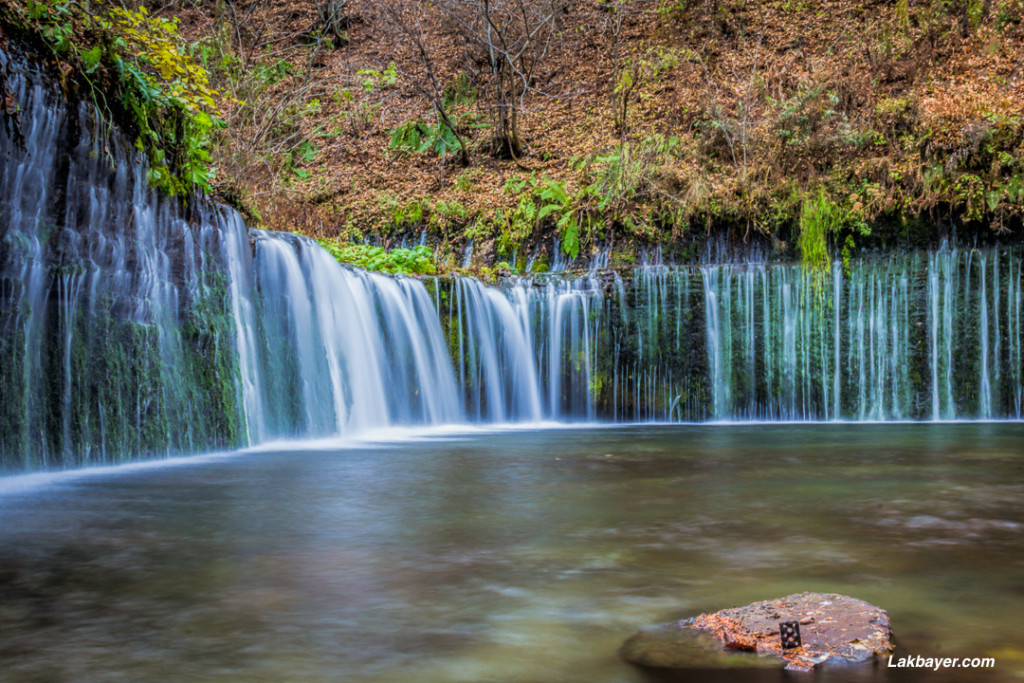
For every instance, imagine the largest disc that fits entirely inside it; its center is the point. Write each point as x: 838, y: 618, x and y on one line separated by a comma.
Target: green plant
x: 819, y: 217
x: 555, y: 200
x: 174, y: 107
x: 373, y: 80
x: 159, y: 83
x: 277, y: 71
x: 634, y: 182
x: 637, y: 72
x: 415, y: 261
x: 459, y: 91
x: 516, y: 183
x: 303, y: 153
x: 401, y: 214
x: 465, y: 180
x: 419, y: 137
x: 359, y: 113
x: 519, y: 225
x: 447, y: 214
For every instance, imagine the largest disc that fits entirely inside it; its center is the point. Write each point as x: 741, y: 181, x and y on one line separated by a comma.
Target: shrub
x: 415, y: 261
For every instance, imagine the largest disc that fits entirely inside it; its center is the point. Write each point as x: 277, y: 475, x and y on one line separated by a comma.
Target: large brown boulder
x: 834, y: 629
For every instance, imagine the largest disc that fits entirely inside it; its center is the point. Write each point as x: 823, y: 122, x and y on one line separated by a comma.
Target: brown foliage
x: 770, y: 101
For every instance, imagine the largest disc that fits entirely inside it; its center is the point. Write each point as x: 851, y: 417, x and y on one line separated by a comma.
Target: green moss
x: 818, y: 220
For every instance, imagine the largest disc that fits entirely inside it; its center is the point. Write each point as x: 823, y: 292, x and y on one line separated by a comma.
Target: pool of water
x: 517, y: 555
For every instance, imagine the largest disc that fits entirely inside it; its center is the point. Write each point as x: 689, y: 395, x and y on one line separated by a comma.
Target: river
x: 517, y: 554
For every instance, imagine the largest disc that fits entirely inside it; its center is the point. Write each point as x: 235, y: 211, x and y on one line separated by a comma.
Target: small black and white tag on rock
x: 789, y: 631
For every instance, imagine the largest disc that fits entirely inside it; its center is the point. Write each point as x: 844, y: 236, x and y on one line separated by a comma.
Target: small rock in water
x: 834, y: 629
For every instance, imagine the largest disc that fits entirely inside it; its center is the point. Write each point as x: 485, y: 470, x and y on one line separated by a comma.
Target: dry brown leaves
x: 746, y: 65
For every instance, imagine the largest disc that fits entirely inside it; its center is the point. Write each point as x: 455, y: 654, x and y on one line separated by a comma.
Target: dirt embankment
x: 812, y: 126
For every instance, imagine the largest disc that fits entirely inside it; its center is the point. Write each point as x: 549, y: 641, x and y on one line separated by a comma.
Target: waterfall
x: 985, y: 398
x: 719, y: 351
x: 132, y: 325
x: 102, y: 353
x: 902, y: 337
x: 344, y: 350
x: 495, y: 353
x: 594, y: 347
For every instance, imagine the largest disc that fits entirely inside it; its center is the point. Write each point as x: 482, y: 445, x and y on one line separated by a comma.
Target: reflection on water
x: 517, y: 556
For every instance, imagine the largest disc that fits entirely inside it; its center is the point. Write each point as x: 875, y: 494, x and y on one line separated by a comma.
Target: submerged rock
x: 834, y: 629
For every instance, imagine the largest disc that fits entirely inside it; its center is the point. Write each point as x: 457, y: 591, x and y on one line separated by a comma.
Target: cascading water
x: 115, y: 337
x: 130, y: 326
x: 594, y: 348
x: 494, y: 353
x: 344, y: 350
x: 918, y: 336
x: 813, y: 346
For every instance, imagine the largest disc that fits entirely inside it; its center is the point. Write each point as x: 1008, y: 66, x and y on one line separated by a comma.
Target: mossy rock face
x: 835, y: 630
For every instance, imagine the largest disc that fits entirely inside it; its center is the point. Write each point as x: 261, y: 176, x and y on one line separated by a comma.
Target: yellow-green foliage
x: 155, y: 42
x: 166, y: 92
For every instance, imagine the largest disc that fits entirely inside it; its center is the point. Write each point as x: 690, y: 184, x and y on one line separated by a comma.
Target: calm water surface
x: 511, y: 556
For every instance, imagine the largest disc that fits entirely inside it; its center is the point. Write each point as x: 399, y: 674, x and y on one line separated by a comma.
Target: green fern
x: 418, y: 137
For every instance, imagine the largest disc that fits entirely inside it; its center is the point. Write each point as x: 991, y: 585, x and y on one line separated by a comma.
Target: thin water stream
x: 510, y: 555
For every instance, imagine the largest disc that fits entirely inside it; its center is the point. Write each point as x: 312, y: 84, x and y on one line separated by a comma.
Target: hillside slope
x: 816, y: 128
